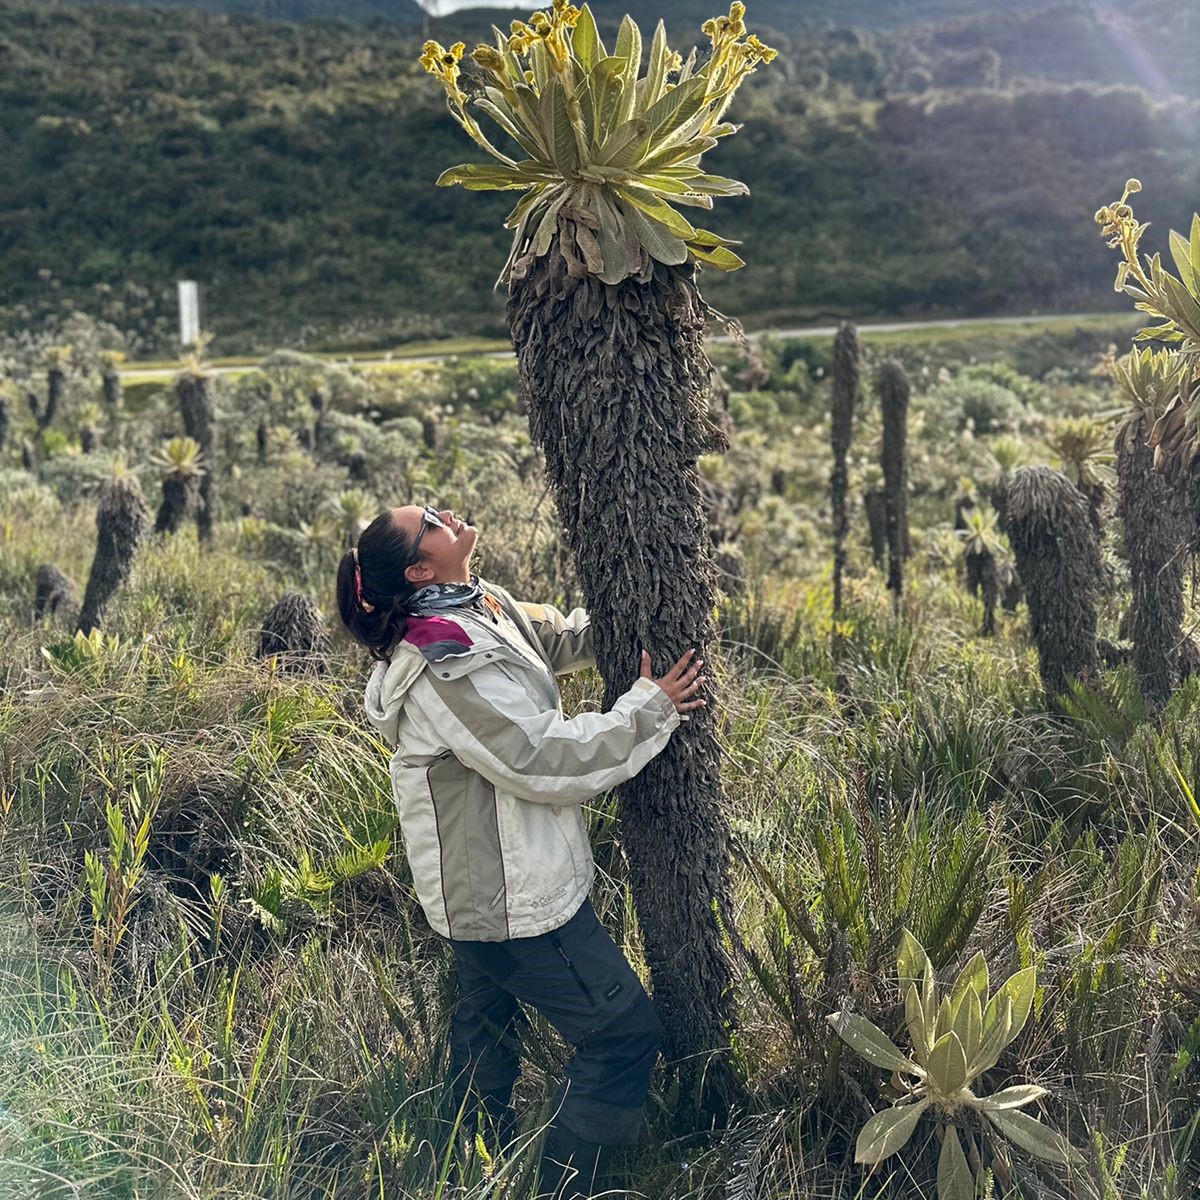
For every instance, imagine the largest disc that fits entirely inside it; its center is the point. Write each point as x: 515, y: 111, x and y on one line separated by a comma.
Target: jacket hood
x: 387, y: 687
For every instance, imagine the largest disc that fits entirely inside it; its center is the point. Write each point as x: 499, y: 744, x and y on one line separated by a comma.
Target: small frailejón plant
x: 955, y: 1039
x: 182, y: 467
x: 1083, y: 447
x: 983, y: 549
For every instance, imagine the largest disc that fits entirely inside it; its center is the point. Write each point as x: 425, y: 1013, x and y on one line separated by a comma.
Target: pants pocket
x: 583, y: 987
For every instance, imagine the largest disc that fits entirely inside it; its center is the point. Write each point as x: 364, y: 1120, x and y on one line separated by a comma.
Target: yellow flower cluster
x: 731, y: 27
x: 549, y: 28
x: 443, y: 63
x: 1121, y: 227
x: 733, y: 59
x: 756, y: 51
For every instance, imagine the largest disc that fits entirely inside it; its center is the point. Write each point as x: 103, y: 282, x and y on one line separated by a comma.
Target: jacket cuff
x: 659, y: 698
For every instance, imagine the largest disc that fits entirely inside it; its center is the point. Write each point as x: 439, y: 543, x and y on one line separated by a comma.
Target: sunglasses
x: 429, y: 517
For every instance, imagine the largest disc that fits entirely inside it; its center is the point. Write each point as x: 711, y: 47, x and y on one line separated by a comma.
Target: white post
x: 430, y: 9
x: 189, y: 311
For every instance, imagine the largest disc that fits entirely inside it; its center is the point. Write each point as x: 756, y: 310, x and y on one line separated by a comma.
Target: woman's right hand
x: 679, y: 682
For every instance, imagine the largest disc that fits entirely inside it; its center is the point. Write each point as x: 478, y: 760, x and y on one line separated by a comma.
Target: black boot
x: 571, y: 1168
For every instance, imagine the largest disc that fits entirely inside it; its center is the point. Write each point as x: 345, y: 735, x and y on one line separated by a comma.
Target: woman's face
x: 445, y: 553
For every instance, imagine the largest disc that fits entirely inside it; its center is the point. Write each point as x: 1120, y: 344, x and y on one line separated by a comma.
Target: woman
x: 489, y: 779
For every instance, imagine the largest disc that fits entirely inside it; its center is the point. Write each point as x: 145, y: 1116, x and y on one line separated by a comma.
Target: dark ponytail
x: 385, y: 552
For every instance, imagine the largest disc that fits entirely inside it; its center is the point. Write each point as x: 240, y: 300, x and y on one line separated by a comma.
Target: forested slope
x: 290, y: 168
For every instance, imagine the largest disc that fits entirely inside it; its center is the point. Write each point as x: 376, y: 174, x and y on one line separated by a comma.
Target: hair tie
x: 358, y: 584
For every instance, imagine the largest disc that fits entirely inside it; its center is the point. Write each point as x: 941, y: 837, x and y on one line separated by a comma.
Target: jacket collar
x: 450, y: 644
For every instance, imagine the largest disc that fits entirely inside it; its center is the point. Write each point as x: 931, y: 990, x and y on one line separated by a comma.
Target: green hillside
x: 942, y: 169
x: 403, y: 12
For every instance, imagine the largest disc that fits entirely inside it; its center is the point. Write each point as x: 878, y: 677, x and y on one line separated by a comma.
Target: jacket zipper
x: 583, y: 987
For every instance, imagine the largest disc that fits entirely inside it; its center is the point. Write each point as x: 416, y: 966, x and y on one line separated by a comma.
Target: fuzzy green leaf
x: 887, y: 1131
x: 660, y: 244
x: 954, y: 1178
x: 554, y: 121
x: 1032, y: 1136
x: 1181, y: 253
x: 674, y: 110
x: 995, y: 1038
x: 973, y: 975
x: 627, y: 147
x: 717, y: 256
x: 585, y: 40
x: 540, y: 64
x: 629, y: 47
x: 968, y: 1023
x: 483, y: 177
x: 525, y: 205
x: 656, y: 67
x: 605, y: 84
x: 684, y: 154
x: 911, y: 960
x: 944, y: 1020
x: 703, y: 237
x: 868, y: 1040
x: 918, y: 1028
x: 718, y: 185
x: 947, y: 1064
x: 526, y: 136
x: 1011, y: 1097
x: 659, y: 210
x: 663, y: 183
x: 1019, y: 990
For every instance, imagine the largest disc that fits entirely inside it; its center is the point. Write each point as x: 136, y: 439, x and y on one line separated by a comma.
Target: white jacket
x: 489, y: 776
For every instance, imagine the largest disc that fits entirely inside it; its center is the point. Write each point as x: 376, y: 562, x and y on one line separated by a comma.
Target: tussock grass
x: 215, y: 980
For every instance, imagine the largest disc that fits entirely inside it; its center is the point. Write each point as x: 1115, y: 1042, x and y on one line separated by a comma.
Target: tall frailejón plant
x: 956, y: 1039
x: 1163, y: 388
x: 1049, y: 527
x: 121, y: 522
x: 841, y: 429
x: 1156, y: 526
x: 1175, y: 301
x: 608, y: 321
x: 894, y: 392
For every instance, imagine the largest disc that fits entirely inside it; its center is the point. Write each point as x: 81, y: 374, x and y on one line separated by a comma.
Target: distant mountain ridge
x: 400, y: 12
x: 678, y: 14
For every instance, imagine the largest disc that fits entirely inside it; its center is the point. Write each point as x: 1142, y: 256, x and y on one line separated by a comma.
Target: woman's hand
x: 678, y: 683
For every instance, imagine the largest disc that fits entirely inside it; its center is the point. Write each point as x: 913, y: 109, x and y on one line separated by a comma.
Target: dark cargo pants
x: 579, y: 980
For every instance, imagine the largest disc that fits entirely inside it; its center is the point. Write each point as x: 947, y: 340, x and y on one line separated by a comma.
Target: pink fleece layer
x: 424, y: 631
